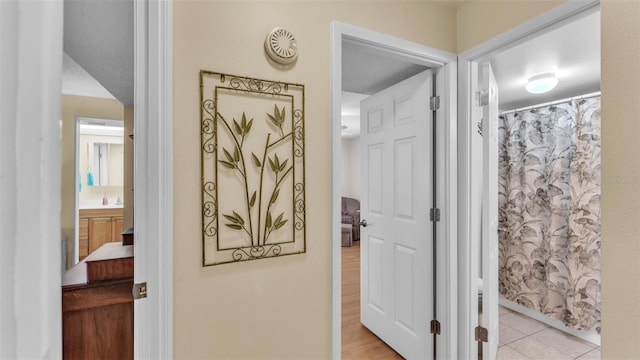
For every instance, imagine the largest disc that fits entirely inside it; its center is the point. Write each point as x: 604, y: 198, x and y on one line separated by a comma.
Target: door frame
x: 468, y: 252
x: 153, y: 177
x: 444, y: 66
x: 31, y: 175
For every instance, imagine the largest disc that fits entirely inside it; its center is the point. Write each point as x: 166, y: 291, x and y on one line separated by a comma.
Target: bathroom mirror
x: 101, y: 152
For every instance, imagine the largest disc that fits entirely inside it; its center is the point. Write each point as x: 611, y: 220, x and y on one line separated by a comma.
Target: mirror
x: 100, y: 152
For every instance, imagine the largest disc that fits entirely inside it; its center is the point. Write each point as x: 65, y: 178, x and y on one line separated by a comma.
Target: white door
x: 396, y: 294
x: 489, y: 318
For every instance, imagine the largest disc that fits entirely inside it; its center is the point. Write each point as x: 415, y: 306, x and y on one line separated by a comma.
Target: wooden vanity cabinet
x: 97, y: 227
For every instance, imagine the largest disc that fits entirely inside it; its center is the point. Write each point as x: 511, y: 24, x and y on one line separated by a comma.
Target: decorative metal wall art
x: 253, y: 182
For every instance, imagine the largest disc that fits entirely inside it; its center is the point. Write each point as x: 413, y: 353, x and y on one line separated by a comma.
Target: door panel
x: 404, y: 178
x: 396, y: 245
x: 374, y: 190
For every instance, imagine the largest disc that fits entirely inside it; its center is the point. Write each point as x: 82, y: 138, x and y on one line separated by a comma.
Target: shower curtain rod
x: 527, y: 108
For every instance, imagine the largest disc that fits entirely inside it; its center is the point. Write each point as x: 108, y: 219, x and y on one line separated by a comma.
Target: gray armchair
x: 351, y: 215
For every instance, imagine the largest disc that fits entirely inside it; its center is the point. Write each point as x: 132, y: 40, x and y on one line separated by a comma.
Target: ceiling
x: 571, y: 51
x: 367, y: 71
x: 98, y: 36
x: 77, y: 81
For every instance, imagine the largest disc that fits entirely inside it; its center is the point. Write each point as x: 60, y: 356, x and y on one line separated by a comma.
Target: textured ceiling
x: 366, y: 71
x: 77, y: 81
x: 99, y: 36
x: 571, y: 51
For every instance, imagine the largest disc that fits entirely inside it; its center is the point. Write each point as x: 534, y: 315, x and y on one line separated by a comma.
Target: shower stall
x: 549, y: 211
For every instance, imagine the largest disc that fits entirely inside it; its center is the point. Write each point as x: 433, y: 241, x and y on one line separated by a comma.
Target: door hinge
x: 139, y: 290
x: 482, y: 98
x: 482, y: 334
x: 434, y: 215
x: 434, y: 103
x: 435, y: 327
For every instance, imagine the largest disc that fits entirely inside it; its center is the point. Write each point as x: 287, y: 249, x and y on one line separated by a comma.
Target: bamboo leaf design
x: 253, y: 200
x: 240, y: 219
x: 256, y: 161
x: 227, y: 164
x: 272, y: 165
x: 279, y: 219
x: 278, y: 118
x: 228, y: 155
x: 231, y: 218
x: 236, y: 127
x: 235, y: 159
x: 274, y: 196
x: 283, y: 165
x: 273, y: 119
x: 280, y: 224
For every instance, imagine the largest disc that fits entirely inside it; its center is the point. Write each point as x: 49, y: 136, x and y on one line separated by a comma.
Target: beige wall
x: 73, y: 106
x: 128, y: 168
x: 481, y: 20
x: 280, y: 308
x: 620, y: 179
x: 620, y: 41
x: 276, y: 308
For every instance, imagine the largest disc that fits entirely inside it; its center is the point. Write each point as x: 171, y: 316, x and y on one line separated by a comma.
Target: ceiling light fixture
x: 542, y: 83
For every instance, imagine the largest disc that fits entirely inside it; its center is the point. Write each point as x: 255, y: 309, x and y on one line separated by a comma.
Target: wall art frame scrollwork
x: 252, y: 168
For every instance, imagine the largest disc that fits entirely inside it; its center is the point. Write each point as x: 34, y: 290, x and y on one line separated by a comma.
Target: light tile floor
x: 522, y: 338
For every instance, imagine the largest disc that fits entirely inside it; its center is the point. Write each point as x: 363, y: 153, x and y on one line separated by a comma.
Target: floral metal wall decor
x: 252, y: 163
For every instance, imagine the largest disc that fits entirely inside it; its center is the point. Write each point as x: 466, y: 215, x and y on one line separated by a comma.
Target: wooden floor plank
x: 357, y: 341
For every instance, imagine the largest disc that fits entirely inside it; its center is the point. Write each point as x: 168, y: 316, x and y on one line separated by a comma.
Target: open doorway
x: 35, y: 38
x: 535, y: 196
x: 365, y: 73
x: 97, y: 179
x: 441, y: 294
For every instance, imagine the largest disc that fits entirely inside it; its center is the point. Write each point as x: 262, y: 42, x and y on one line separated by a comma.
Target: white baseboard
x: 592, y: 337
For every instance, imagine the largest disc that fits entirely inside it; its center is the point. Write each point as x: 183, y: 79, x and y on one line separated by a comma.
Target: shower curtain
x: 549, y: 211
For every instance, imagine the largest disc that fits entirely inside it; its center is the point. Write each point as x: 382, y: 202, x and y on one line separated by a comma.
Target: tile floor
x: 522, y: 338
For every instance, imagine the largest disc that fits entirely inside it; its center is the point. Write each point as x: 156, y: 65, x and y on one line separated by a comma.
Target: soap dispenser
x: 105, y: 201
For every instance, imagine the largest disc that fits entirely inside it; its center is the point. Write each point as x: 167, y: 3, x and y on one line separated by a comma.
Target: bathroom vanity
x: 97, y: 227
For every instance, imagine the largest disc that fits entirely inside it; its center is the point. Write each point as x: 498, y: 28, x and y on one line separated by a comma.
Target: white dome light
x: 542, y: 83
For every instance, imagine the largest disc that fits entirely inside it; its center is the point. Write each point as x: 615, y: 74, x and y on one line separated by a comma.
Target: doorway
x: 502, y: 55
x: 443, y: 63
x: 35, y: 39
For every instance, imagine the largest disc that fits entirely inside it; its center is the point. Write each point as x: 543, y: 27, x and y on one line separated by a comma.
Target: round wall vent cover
x: 281, y: 46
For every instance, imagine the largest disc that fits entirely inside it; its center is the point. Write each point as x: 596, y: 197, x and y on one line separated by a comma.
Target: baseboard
x: 589, y: 336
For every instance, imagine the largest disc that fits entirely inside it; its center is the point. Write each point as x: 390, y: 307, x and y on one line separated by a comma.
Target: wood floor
x: 357, y: 341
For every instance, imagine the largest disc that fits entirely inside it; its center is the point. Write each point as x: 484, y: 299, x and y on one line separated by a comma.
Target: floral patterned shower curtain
x: 549, y: 211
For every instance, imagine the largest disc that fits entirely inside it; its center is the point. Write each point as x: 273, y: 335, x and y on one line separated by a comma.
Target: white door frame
x: 30, y: 168
x: 468, y: 253
x: 153, y: 177
x: 30, y: 73
x: 444, y: 65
